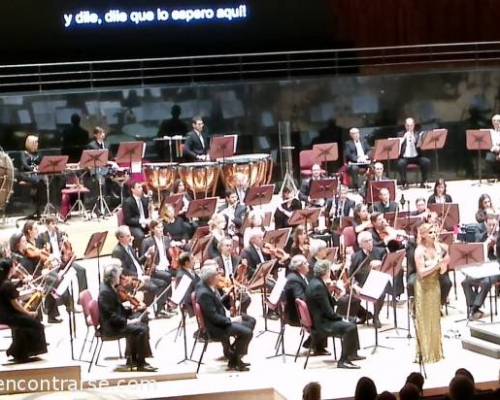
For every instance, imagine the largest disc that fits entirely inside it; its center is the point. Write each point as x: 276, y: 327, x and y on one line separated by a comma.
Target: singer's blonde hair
x: 423, y: 230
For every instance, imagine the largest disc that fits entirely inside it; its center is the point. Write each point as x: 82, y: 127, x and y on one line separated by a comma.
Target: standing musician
x: 439, y: 196
x: 411, y: 153
x: 196, y: 146
x: 221, y: 327
x: 116, y: 320
x: 362, y: 261
x: 356, y: 152
x: 234, y: 213
x: 136, y: 213
x: 305, y: 188
x: 133, y: 267
x: 326, y: 322
x: 186, y: 268
x: 285, y: 210
x: 28, y: 334
x: 30, y: 159
x: 385, y: 204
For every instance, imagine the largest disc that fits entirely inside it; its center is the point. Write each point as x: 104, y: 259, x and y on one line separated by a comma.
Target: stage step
x: 481, y: 346
x: 489, y: 333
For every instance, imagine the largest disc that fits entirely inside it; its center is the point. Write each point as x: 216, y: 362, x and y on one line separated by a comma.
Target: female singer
x: 361, y: 220
x: 440, y: 196
x: 180, y: 188
x: 30, y: 159
x: 284, y: 210
x: 28, y: 335
x: 484, y: 207
x: 431, y: 260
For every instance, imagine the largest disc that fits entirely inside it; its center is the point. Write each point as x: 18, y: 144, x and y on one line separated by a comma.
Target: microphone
x: 402, y: 200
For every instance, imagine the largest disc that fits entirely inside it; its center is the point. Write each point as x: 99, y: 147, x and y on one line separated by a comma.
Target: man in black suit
x: 385, y: 205
x: 221, y: 327
x: 133, y: 266
x: 234, y: 212
x: 305, y: 188
x: 378, y: 175
x: 253, y: 253
x: 136, y: 213
x: 186, y: 268
x: 98, y: 142
x: 356, y: 151
x: 115, y: 320
x: 362, y: 262
x: 411, y: 153
x: 326, y: 322
x: 196, y: 145
x: 340, y: 206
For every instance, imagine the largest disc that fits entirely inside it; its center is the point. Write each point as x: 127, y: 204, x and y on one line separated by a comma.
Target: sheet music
x: 275, y: 295
x: 65, y: 282
x: 486, y: 270
x: 180, y: 290
x: 375, y: 284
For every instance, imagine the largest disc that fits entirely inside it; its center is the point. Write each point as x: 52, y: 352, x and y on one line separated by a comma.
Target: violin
x: 125, y: 296
x: 275, y: 252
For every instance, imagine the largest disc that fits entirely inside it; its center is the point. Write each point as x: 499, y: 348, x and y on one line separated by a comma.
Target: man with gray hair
x: 218, y: 325
x: 116, y: 320
x: 326, y: 322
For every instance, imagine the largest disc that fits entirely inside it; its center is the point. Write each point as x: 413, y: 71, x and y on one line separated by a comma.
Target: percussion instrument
x: 160, y: 176
x: 6, y: 179
x: 200, y: 178
x: 258, y: 168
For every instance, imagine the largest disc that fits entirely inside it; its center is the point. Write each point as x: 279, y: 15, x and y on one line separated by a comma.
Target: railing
x: 109, y: 73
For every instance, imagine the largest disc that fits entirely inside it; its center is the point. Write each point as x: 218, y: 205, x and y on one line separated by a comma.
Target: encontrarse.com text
x: 58, y: 384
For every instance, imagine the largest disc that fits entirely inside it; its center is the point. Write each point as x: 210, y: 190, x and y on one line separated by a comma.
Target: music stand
x: 175, y: 200
x: 323, y: 189
x: 96, y: 159
x: 266, y: 220
x: 435, y: 140
x: 449, y: 213
x: 50, y: 166
x: 327, y: 152
x: 374, y: 188
x: 478, y: 140
x: 302, y: 217
x: 408, y: 223
x: 201, y: 231
x: 202, y: 208
x: 221, y: 147
x: 277, y: 238
x: 200, y: 247
x: 94, y: 249
x: 259, y: 195
x: 387, y: 150
x: 130, y: 152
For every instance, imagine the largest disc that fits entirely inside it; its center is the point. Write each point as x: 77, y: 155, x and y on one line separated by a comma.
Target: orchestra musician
x: 176, y: 227
x: 356, y: 152
x: 253, y: 253
x: 361, y: 219
x: 326, y: 322
x: 241, y: 186
x: 439, y: 196
x: 132, y: 266
x: 493, y: 156
x: 179, y: 187
x: 186, y: 268
x: 30, y: 160
x: 196, y: 147
x: 28, y: 334
x: 376, y: 176
x: 116, y: 320
x: 221, y: 327
x: 421, y: 209
x: 285, y: 210
x: 305, y: 188
x: 385, y: 205
x: 98, y: 143
x: 485, y: 207
x: 301, y: 243
x: 216, y: 225
x: 340, y: 206
x: 18, y: 245
x: 254, y: 225
x: 411, y: 153
x: 233, y: 211
x: 362, y: 261
x: 136, y: 213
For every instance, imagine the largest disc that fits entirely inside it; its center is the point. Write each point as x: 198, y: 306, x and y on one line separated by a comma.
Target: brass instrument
x: 35, y: 301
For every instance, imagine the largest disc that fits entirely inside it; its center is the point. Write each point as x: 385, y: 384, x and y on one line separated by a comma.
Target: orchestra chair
x: 350, y: 237
x: 120, y: 218
x: 307, y: 327
x: 307, y: 159
x: 85, y: 300
x: 98, y: 336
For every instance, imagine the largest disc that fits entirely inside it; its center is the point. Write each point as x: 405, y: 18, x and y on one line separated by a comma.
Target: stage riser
x: 491, y: 335
x: 482, y: 347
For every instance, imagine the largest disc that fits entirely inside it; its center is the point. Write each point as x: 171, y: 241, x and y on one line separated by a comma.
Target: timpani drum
x: 200, y: 178
x: 257, y: 168
x: 160, y: 176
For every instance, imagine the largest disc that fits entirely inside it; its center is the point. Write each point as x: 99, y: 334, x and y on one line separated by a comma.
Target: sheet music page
x: 486, y: 270
x: 275, y: 295
x: 375, y: 284
x: 65, y: 282
x: 180, y: 291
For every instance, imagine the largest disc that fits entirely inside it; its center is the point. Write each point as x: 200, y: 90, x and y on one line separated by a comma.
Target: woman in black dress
x: 28, y: 335
x: 30, y: 159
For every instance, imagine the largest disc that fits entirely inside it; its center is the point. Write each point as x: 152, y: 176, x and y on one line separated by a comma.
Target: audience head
x: 31, y: 144
x: 440, y: 187
x: 197, y: 123
x: 365, y: 389
x: 464, y: 372
x: 299, y: 264
x: 354, y: 134
x: 365, y: 241
x: 461, y: 388
x: 322, y: 269
x: 409, y: 392
x: 312, y: 391
x: 417, y: 379
x: 385, y: 395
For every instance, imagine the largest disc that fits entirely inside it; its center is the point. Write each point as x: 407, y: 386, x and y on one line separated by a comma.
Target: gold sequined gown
x: 428, y: 316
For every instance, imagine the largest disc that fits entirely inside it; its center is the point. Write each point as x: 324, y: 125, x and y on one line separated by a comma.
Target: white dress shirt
x: 411, y: 146
x: 163, y: 262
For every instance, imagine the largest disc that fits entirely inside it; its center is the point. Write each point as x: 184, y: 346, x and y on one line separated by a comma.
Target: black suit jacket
x: 193, y: 146
x: 43, y: 239
x: 347, y: 210
x: 358, y: 257
x: 235, y: 261
x: 432, y: 199
x: 131, y: 211
x: 280, y: 218
x: 216, y: 321
x: 321, y: 306
x: 295, y: 288
x: 149, y: 241
x: 379, y: 207
x: 127, y: 262
x: 93, y: 145
x: 350, y: 152
x: 113, y: 316
x: 252, y: 259
x: 29, y: 161
x: 418, y: 142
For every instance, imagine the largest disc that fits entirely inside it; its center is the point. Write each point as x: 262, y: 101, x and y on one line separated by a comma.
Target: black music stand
x: 221, y: 147
x: 259, y: 195
x: 94, y: 249
x: 97, y: 159
x: 50, y: 166
x: 435, y: 140
x: 478, y: 140
x: 387, y: 150
x: 326, y: 152
x: 305, y: 216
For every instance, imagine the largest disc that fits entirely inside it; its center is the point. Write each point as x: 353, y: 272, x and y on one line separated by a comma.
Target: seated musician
x: 234, y: 212
x: 176, y: 227
x: 30, y: 159
x: 197, y: 145
x: 253, y: 253
x: 241, y: 186
x: 253, y: 226
x: 18, y: 245
x: 362, y: 261
x: 133, y: 267
x: 439, y: 196
x: 305, y: 188
x: 356, y: 152
x: 98, y: 142
x: 28, y: 334
x: 285, y: 209
x: 378, y: 175
x: 136, y: 213
x: 295, y: 288
x: 361, y: 219
x: 301, y: 243
x: 179, y: 187
x: 493, y: 156
x: 221, y: 327
x: 421, y: 209
x: 186, y: 268
x: 384, y: 203
x: 116, y: 320
x: 326, y: 322
x: 57, y: 243
x: 340, y: 206
x: 411, y: 153
x: 217, y: 228
x: 485, y: 207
